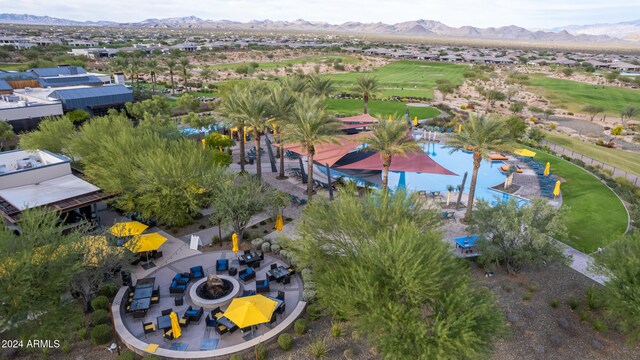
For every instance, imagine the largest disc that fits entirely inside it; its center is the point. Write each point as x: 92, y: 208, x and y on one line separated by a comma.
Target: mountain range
x: 426, y: 28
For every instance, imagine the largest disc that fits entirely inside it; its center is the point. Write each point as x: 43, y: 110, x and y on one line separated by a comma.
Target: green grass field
x: 300, y: 60
x: 621, y: 159
x: 13, y: 67
x: 596, y: 216
x: 407, y: 78
x: 378, y: 108
x: 573, y: 95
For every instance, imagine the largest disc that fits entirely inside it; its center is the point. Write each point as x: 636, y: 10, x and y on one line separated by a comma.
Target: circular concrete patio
x: 197, y: 340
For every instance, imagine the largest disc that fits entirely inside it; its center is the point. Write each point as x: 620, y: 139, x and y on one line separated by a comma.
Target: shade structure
x: 279, y: 223
x: 547, y: 169
x: 466, y: 241
x: 175, y: 325
x: 129, y: 228
x: 234, y: 242
x: 525, y: 152
x: 412, y: 162
x: 556, y: 189
x: 250, y: 310
x: 145, y: 242
x: 328, y: 153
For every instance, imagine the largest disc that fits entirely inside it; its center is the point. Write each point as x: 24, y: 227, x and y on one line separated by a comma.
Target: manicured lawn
x: 621, y: 159
x: 13, y: 67
x: 300, y: 60
x: 408, y: 78
x: 573, y: 95
x: 378, y: 108
x: 596, y: 216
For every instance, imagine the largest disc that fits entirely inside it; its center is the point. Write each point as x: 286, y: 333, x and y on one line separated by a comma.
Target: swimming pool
x: 459, y: 162
x: 194, y: 131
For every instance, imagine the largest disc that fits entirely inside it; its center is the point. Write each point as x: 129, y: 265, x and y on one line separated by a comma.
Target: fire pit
x: 214, y: 291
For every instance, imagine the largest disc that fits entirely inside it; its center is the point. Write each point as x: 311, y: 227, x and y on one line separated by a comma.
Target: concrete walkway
x: 582, y: 263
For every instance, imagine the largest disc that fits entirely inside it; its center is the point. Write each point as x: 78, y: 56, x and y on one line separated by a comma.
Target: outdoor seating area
x: 270, y: 290
x: 548, y: 183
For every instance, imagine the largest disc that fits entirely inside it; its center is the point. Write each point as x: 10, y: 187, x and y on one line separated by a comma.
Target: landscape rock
x: 564, y: 324
x: 597, y: 345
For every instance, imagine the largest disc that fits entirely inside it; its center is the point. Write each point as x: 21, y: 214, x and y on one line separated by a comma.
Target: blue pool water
x: 194, y: 131
x: 459, y: 162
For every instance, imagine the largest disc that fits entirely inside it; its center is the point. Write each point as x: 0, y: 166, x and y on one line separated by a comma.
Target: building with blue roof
x: 59, y: 71
x: 60, y: 81
x: 96, y: 100
x: 5, y: 88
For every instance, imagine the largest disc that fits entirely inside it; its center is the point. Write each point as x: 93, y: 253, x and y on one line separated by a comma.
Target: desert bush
x: 314, y: 311
x: 266, y: 247
x: 348, y: 354
x: 257, y: 242
x: 308, y: 295
x: 533, y: 286
x: 574, y: 303
x: 527, y: 296
x: 301, y: 326
x: 82, y: 334
x: 554, y: 303
x: 109, y: 290
x: 594, y: 299
x: 598, y: 325
x: 616, y: 130
x: 100, y: 302
x: 285, y: 342
x: 100, y: 316
x: 275, y: 248
x: 101, y: 334
x: 236, y: 357
x: 318, y: 348
x: 260, y: 352
x: 336, y: 329
x: 128, y: 355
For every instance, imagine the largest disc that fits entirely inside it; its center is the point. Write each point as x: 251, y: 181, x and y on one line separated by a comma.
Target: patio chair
x: 209, y: 322
x: 155, y: 297
x: 221, y: 329
x: 178, y: 300
x: 156, y: 254
x: 247, y: 274
x: 181, y: 279
x: 291, y: 269
x: 280, y: 295
x: 262, y: 286
x: 247, y: 252
x: 149, y: 327
x: 286, y: 280
x: 216, y: 313
x: 168, y: 334
x: 166, y: 312
x: 281, y: 309
x: 176, y: 288
x: 194, y: 314
x: 233, y: 271
x: 184, y: 321
x: 261, y: 255
x: 196, y: 272
x: 139, y: 314
x: 222, y: 265
x: 255, y: 265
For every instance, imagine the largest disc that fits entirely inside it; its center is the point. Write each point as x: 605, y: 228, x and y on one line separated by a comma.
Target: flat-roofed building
x: 24, y: 113
x: 33, y: 179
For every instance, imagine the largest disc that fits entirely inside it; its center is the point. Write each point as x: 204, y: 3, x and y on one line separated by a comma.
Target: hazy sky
x: 482, y: 13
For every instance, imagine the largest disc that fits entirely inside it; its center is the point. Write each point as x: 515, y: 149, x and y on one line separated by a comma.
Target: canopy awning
x: 412, y: 162
x: 328, y: 153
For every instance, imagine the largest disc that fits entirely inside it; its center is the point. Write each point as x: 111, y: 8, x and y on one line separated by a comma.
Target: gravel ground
x: 597, y: 129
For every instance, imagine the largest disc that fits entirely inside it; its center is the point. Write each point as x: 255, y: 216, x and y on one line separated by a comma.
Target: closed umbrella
x: 556, y: 189
x: 234, y: 242
x: 415, y: 121
x: 204, y: 143
x: 390, y: 117
x: 279, y: 223
x: 547, y: 169
x: 175, y: 325
x: 459, y: 128
x: 250, y: 310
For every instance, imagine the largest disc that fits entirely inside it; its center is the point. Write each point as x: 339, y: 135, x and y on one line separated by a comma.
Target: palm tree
x: 295, y: 84
x: 321, y: 87
x: 389, y: 138
x: 205, y: 74
x: 171, y: 65
x: 152, y: 67
x: 184, y: 65
x: 367, y: 86
x: 483, y: 135
x: 309, y: 126
x: 281, y: 102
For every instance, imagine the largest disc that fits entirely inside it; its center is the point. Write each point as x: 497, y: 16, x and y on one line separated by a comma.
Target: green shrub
x: 617, y: 130
x: 236, y: 357
x: 82, y: 334
x: 101, y: 302
x: 533, y: 286
x: 285, y: 342
x: 154, y: 357
x: 554, y: 303
x: 66, y: 348
x: 583, y: 316
x: 348, y: 354
x: 574, y: 303
x: 100, y: 316
x: 101, y: 334
x: 527, y: 296
x: 318, y: 348
x: 336, y: 329
x: 314, y: 311
x: 128, y: 355
x: 594, y: 300
x: 260, y: 352
x: 598, y: 325
x: 301, y: 326
x: 109, y: 290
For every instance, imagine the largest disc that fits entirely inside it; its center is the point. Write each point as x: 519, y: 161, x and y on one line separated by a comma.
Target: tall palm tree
x: 389, y: 138
x: 368, y: 86
x: 247, y: 106
x: 184, y: 65
x: 152, y: 67
x: 171, y: 65
x: 205, y: 74
x: 295, y: 84
x: 319, y: 86
x: 281, y: 102
x: 309, y: 126
x: 483, y: 135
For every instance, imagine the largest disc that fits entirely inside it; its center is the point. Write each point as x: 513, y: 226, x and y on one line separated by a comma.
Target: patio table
x: 142, y: 293
x: 141, y: 304
x: 250, y: 258
x: 226, y: 322
x: 279, y: 272
x: 164, y: 322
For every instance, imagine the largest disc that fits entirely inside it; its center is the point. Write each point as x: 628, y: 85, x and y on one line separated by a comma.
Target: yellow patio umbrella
x: 525, y: 153
x: 556, y: 190
x: 175, y: 326
x: 390, y: 117
x: 415, y: 121
x: 250, y: 310
x: 234, y: 242
x: 279, y: 223
x: 547, y: 169
x: 459, y: 128
x: 145, y: 242
x: 129, y: 228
